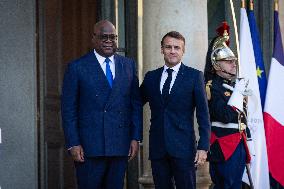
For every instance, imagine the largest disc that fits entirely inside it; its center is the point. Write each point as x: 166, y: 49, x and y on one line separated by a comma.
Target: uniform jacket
x: 223, y: 140
x: 172, y: 121
x: 101, y: 119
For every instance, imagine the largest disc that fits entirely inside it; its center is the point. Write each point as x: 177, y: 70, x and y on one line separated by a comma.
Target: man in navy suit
x: 101, y: 112
x: 174, y: 92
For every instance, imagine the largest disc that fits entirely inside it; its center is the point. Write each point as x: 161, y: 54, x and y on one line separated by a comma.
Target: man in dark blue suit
x: 101, y: 112
x: 174, y: 92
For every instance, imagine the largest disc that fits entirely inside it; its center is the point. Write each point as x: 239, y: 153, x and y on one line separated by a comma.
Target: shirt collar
x: 175, y: 68
x: 101, y: 59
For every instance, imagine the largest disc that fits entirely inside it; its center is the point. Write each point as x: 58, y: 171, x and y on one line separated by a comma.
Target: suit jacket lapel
x: 178, y: 81
x: 157, y: 81
x: 117, y: 79
x: 99, y: 75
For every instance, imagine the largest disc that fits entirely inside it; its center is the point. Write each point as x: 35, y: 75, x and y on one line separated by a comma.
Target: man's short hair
x: 173, y: 34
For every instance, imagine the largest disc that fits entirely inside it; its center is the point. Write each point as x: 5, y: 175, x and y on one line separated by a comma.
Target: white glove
x: 241, y: 85
x: 237, y: 97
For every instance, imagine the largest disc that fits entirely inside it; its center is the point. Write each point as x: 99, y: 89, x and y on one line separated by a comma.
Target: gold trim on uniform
x: 243, y: 126
x: 227, y: 93
x: 208, y: 89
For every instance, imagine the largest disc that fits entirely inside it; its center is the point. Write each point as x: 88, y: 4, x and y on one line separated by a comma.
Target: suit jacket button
x: 105, y: 111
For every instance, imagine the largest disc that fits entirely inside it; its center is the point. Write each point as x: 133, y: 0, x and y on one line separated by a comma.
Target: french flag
x: 274, y: 108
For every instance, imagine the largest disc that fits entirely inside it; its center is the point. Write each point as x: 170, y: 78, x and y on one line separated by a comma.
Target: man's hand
x: 133, y: 149
x: 77, y: 153
x: 200, y: 157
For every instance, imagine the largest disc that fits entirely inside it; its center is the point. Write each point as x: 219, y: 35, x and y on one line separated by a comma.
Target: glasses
x: 105, y: 37
x: 229, y: 61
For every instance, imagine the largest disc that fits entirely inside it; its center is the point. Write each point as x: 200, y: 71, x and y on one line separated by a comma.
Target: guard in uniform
x: 228, y: 148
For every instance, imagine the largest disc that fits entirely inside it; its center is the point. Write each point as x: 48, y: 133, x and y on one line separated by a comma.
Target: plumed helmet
x: 220, y: 49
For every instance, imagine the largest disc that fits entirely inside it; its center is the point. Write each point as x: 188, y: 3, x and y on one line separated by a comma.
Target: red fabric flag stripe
x: 275, y: 147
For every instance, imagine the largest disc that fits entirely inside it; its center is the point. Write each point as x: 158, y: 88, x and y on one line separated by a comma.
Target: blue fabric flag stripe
x: 278, y: 47
x: 262, y: 80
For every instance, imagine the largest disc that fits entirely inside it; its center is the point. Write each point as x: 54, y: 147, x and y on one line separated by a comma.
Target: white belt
x: 225, y: 125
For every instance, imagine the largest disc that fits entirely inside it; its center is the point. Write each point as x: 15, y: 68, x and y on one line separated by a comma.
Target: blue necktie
x: 166, y: 87
x: 108, y: 72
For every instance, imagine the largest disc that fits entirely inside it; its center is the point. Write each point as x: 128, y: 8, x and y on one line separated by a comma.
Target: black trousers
x: 169, y: 171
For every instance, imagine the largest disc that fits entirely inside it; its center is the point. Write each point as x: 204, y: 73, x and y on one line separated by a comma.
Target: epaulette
x: 208, y: 89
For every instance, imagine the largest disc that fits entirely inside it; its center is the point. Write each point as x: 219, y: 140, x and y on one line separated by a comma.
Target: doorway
x: 64, y: 33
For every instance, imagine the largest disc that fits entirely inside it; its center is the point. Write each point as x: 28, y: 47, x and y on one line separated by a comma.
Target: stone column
x: 18, y: 94
x: 189, y: 17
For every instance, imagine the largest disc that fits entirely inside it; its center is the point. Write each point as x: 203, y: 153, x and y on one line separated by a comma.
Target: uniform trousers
x: 228, y: 174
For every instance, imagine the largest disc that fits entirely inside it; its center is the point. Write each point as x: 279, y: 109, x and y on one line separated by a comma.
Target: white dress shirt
x: 102, y: 63
x: 165, y: 76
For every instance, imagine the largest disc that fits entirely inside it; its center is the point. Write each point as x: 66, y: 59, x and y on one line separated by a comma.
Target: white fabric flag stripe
x: 275, y: 101
x: 259, y: 165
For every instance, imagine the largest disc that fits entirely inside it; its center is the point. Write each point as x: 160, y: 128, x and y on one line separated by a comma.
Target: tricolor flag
x: 274, y: 108
x: 259, y: 165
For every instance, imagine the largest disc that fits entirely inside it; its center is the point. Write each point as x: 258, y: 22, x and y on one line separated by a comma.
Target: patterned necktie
x: 166, y: 87
x: 108, y: 72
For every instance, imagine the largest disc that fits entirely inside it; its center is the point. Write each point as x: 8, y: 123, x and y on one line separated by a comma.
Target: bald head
x: 105, y: 38
x: 103, y: 26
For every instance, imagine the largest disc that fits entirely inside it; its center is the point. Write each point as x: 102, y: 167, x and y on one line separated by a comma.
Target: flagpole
x: 236, y: 35
x: 251, y: 5
x: 276, y: 6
